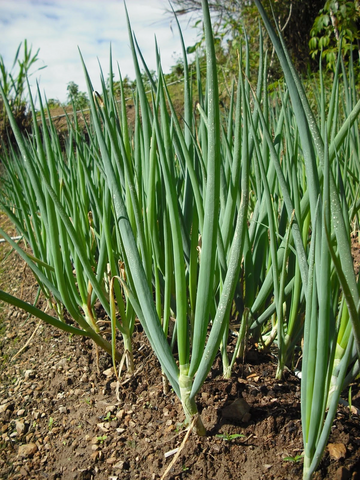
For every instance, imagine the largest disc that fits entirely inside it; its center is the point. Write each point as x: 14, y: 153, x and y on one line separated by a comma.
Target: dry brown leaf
x: 337, y: 450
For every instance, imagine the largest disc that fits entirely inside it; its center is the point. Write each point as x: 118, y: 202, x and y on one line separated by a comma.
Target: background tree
x: 53, y: 103
x: 127, y: 85
x: 76, y: 97
x: 338, y: 19
x: 234, y: 17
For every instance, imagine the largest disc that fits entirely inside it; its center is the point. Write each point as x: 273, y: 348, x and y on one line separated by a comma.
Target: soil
x: 60, y: 117
x: 61, y: 416
x: 60, y: 122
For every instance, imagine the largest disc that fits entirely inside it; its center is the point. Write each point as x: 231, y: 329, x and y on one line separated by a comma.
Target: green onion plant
x: 329, y: 161
x: 208, y: 225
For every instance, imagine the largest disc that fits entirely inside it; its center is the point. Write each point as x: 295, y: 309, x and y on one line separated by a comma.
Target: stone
x: 28, y: 374
x: 110, y: 408
x: 20, y: 427
x: 29, y: 436
x: 95, y: 456
x: 120, y: 414
x: 237, y: 411
x: 103, y: 426
x: 342, y: 473
x: 109, y: 372
x: 62, y: 364
x: 4, y: 428
x: 119, y: 466
x: 27, y: 450
x: 5, y: 407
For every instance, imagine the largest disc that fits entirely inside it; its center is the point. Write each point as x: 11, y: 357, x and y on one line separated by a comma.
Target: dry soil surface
x: 61, y: 416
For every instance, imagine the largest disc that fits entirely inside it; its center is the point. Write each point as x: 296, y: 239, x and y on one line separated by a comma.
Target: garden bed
x: 60, y: 415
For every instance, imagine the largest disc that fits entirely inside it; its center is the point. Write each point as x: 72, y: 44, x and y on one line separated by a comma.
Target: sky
x: 59, y: 27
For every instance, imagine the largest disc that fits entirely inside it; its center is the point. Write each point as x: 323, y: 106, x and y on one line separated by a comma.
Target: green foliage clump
x: 13, y: 83
x: 241, y: 213
x: 234, y: 20
x: 76, y: 97
x: 337, y: 24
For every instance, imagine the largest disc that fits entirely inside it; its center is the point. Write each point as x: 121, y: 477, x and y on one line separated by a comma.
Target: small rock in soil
x: 27, y: 450
x: 109, y: 372
x: 237, y: 411
x: 20, y: 427
x: 4, y: 408
x: 342, y: 473
x: 29, y: 374
x: 110, y: 408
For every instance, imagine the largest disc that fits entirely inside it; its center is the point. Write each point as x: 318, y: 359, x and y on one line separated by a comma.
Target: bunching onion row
x: 199, y: 218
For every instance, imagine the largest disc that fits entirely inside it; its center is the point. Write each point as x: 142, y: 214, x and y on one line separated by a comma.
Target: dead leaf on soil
x: 337, y: 450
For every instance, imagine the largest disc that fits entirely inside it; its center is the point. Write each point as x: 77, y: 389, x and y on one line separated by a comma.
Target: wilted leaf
x: 337, y: 450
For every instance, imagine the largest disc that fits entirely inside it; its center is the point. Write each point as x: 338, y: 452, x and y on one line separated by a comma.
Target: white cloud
x: 59, y: 27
